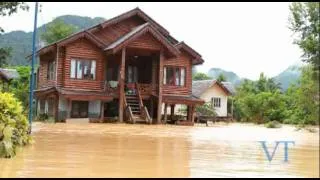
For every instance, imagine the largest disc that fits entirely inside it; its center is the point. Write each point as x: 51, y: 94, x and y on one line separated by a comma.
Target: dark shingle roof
x: 199, y: 87
x: 230, y: 87
x: 9, y: 74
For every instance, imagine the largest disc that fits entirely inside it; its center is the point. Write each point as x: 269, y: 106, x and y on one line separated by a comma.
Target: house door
x: 79, y: 109
x: 132, y: 74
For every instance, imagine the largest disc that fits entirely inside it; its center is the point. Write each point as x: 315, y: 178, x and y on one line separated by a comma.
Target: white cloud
x: 247, y: 38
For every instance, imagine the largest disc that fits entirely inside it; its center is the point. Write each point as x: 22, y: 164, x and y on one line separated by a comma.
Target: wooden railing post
x: 121, y: 83
x: 161, y: 59
x: 139, y: 95
x: 165, y: 112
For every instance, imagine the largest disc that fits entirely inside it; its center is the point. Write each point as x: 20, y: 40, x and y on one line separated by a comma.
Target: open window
x: 174, y: 76
x: 83, y: 69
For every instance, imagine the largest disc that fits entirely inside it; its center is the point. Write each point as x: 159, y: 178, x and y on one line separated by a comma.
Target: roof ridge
x: 146, y: 27
x: 8, y: 69
x: 126, y: 36
x: 137, y: 9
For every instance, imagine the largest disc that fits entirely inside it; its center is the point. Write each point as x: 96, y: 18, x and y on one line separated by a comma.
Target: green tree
x: 304, y: 21
x: 57, y: 30
x: 221, y: 78
x: 6, y: 9
x: 262, y: 83
x: 21, y: 86
x: 260, y: 101
x: 272, y: 85
x: 5, y: 53
x: 304, y: 99
x: 200, y: 76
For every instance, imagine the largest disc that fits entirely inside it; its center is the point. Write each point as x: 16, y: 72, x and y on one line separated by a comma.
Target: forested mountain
x: 21, y: 42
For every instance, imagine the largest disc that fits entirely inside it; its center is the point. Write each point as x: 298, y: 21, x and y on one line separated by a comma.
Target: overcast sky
x: 246, y: 38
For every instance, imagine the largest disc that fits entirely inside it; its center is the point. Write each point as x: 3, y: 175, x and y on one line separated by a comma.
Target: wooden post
x: 121, y: 83
x: 102, y: 111
x: 192, y: 113
x: 172, y: 110
x: 151, y: 108
x: 161, y: 59
x: 153, y: 73
x: 165, y: 112
x: 189, y: 113
x: 231, y: 109
x: 56, y: 108
x: 69, y: 108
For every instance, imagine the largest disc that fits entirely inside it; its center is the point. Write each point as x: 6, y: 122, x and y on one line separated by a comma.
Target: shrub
x: 13, y: 126
x: 273, y: 124
x: 206, y: 110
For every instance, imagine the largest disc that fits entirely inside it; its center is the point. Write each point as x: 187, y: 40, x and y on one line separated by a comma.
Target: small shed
x: 6, y: 76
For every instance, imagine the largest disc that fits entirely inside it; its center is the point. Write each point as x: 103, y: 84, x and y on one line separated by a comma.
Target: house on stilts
x: 128, y: 67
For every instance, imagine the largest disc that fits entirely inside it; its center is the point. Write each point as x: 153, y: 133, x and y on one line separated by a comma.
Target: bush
x: 13, y: 126
x: 43, y: 117
x: 273, y: 124
x: 206, y: 110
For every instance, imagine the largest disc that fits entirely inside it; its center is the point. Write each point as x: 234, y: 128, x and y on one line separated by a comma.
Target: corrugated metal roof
x: 9, y: 74
x: 230, y: 87
x: 199, y: 87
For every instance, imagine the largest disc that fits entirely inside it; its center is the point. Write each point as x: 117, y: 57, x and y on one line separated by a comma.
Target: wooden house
x: 126, y: 67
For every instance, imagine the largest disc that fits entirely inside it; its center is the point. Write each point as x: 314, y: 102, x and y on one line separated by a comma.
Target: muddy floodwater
x: 123, y: 150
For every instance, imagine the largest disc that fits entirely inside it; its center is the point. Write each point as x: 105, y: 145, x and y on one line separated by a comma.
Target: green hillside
x: 285, y: 78
x: 21, y: 42
x: 230, y: 76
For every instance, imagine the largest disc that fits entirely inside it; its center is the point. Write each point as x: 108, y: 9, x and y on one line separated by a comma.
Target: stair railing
x: 143, y: 109
x: 128, y: 111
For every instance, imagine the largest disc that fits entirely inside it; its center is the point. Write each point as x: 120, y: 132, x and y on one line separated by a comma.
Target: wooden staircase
x: 135, y: 110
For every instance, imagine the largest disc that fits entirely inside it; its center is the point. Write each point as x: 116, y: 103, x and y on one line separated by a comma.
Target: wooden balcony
x: 144, y: 89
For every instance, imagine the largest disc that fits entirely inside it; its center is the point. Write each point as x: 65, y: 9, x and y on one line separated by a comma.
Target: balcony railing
x: 144, y: 89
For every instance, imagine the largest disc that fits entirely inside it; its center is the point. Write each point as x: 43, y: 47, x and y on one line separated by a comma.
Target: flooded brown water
x: 123, y: 150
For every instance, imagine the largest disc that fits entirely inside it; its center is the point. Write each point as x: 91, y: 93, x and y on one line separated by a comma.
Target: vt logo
x: 270, y: 157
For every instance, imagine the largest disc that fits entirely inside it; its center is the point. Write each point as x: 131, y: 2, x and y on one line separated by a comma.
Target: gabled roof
x: 131, y: 13
x: 9, y: 74
x: 197, y: 57
x: 137, y: 32
x: 109, y: 22
x: 153, y: 27
x: 71, y: 38
x: 199, y: 87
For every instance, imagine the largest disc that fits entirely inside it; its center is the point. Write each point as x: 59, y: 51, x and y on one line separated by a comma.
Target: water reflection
x: 119, y: 150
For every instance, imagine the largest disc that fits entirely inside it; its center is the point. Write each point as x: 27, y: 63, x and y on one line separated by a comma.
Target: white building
x: 214, y: 92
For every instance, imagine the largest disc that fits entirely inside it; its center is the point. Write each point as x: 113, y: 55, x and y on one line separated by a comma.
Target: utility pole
x: 32, y: 65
